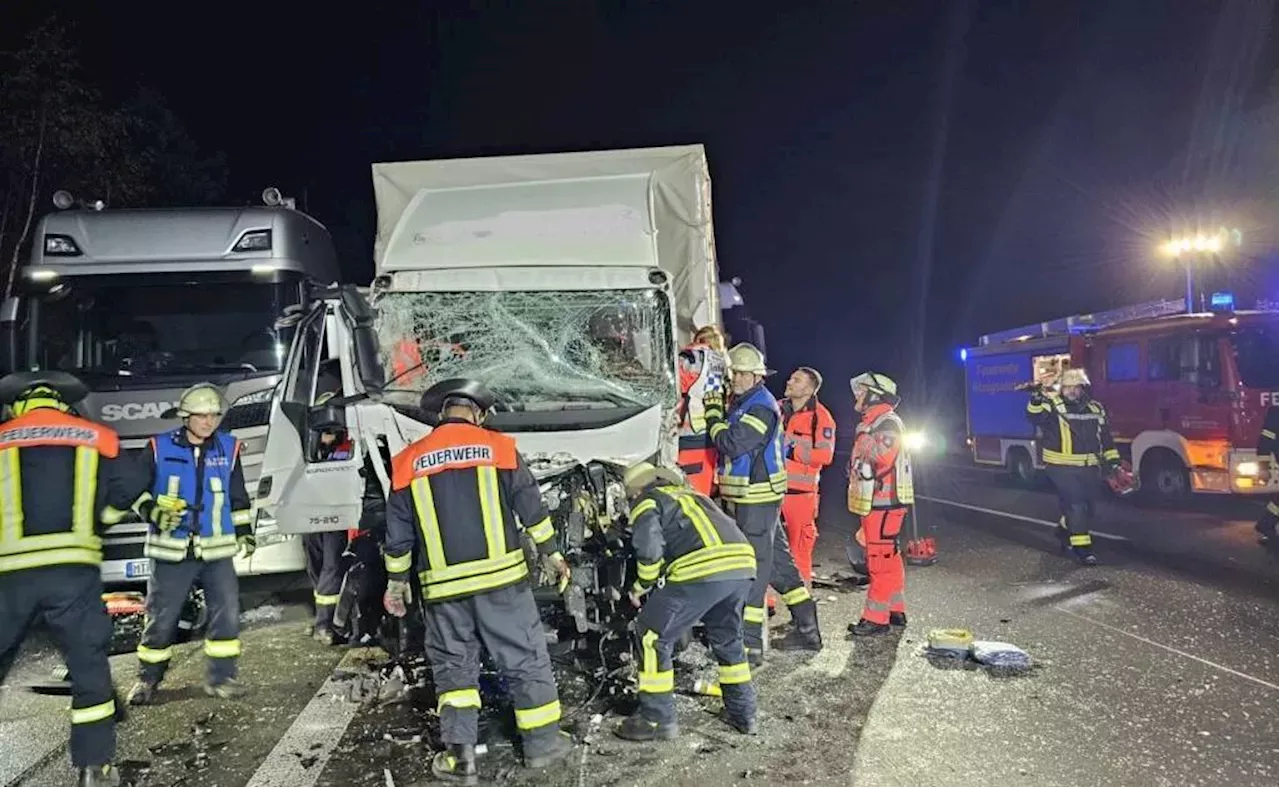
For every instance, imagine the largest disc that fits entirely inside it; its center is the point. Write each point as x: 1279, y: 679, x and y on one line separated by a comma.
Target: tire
x: 1021, y: 467
x: 1165, y: 478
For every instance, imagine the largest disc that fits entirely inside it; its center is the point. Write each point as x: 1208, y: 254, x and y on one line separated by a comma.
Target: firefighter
x: 704, y: 567
x: 753, y: 479
x: 880, y: 492
x: 809, y: 442
x: 701, y: 368
x: 60, y: 476
x: 1266, y: 525
x: 199, y: 516
x: 325, y: 551
x: 1074, y: 437
x: 457, y: 495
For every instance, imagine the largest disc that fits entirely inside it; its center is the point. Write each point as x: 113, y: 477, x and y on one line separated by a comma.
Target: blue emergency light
x: 1222, y: 301
x: 964, y: 354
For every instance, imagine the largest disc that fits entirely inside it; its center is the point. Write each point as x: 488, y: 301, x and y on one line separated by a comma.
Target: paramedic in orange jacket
x: 880, y: 492
x: 808, y: 444
x: 701, y: 368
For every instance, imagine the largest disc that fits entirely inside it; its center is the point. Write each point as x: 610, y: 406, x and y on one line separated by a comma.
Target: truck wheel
x: 1164, y: 478
x: 1021, y: 467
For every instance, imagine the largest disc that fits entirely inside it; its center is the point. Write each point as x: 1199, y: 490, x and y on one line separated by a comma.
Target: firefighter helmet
x: 201, y: 399
x: 446, y: 392
x: 746, y: 358
x: 1074, y: 377
x: 27, y: 391
x: 875, y: 383
x: 642, y: 474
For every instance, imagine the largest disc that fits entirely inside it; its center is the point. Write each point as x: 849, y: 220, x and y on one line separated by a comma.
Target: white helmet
x: 201, y: 399
x: 746, y: 358
x: 1074, y: 377
x: 875, y: 383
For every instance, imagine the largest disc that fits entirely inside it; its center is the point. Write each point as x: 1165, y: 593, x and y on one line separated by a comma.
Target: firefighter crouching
x: 809, y: 444
x: 1266, y: 525
x: 1072, y: 432
x: 704, y: 567
x: 880, y: 493
x: 199, y: 515
x: 701, y: 369
x: 457, y: 496
x: 753, y: 480
x: 58, y: 475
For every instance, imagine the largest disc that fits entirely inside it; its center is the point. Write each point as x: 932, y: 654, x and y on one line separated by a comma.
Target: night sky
x: 890, y: 179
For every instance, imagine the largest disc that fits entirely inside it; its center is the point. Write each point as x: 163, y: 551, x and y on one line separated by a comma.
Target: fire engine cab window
x: 1122, y: 363
x: 1164, y: 359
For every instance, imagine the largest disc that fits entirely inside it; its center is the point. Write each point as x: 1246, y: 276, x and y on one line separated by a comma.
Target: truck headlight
x: 915, y: 441
x: 1247, y: 469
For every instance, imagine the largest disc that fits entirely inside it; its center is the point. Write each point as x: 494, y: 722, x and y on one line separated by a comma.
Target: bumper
x: 1240, y: 477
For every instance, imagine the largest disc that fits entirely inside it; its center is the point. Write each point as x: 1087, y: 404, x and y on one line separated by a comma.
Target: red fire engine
x: 1186, y: 393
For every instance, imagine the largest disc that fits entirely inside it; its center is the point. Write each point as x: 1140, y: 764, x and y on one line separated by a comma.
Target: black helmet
x: 438, y: 396
x: 36, y: 389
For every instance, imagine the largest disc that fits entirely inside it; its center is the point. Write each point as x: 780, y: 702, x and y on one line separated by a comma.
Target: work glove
x: 165, y: 511
x: 636, y: 596
x: 248, y: 545
x: 560, y: 568
x: 396, y: 599
x: 713, y: 403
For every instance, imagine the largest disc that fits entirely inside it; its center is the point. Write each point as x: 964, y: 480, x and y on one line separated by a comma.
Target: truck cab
x: 141, y: 304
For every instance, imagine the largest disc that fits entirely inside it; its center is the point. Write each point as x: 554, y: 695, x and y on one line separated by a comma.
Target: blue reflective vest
x: 759, y: 476
x: 208, y: 528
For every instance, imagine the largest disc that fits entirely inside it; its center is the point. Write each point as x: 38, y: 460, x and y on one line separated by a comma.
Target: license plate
x: 137, y: 569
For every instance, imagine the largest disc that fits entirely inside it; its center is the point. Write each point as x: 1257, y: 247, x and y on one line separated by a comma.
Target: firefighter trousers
x: 800, y: 518
x: 167, y: 591
x: 69, y: 601
x: 326, y: 568
x: 1078, y: 490
x: 1266, y: 524
x: 505, y: 623
x: 668, y: 614
x: 774, y: 567
x: 885, y: 571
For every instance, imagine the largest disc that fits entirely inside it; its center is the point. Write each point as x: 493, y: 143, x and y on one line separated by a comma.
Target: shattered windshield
x: 535, y: 350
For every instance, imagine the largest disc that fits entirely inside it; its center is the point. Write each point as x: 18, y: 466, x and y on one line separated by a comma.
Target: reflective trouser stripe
x: 222, y: 648
x: 533, y: 718
x: 753, y: 614
x: 735, y: 673
x: 1081, y: 540
x: 796, y: 596
x: 154, y: 655
x: 651, y: 679
x: 324, y: 600
x: 94, y: 713
x: 458, y: 698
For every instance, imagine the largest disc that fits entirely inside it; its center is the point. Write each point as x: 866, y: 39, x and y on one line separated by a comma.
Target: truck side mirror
x: 365, y: 339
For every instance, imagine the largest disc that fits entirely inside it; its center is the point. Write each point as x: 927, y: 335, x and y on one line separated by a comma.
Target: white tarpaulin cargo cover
x: 642, y: 207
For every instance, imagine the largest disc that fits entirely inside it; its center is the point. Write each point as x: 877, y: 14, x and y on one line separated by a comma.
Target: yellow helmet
x: 36, y: 397
x: 746, y: 358
x: 642, y: 474
x: 23, y: 392
x: 1074, y: 377
x: 201, y: 399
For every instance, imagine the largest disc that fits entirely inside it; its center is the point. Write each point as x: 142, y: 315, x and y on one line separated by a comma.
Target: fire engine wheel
x: 1021, y: 467
x: 1164, y: 478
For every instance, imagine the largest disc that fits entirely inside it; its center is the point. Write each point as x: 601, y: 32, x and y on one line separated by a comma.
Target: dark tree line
x: 58, y: 132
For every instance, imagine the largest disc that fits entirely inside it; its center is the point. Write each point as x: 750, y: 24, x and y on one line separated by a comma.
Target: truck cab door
x: 311, y: 478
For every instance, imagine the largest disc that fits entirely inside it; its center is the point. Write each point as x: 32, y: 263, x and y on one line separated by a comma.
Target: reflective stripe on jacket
x: 208, y: 478
x: 809, y: 443
x: 1072, y: 434
x: 685, y: 537
x: 880, y: 466
x: 58, y: 475
x: 456, y: 497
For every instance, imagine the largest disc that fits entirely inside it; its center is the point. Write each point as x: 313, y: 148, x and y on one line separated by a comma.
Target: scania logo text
x: 136, y: 411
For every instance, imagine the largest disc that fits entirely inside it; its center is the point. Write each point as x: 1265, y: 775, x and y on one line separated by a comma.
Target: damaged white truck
x: 566, y: 283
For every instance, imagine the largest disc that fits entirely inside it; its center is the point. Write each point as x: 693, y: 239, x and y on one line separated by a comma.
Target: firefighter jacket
x: 61, y: 480
x: 808, y: 443
x: 749, y: 441
x: 1267, y: 437
x: 456, y: 496
x: 210, y: 479
x: 683, y: 536
x: 1072, y: 434
x: 880, y: 466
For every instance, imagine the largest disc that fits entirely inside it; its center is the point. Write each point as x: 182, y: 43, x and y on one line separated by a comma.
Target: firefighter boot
x: 744, y: 726
x: 866, y: 628
x: 142, y: 693
x: 229, y: 689
x: 456, y: 764
x: 99, y: 776
x: 804, y: 634
x: 1085, y: 556
x: 546, y: 749
x: 637, y: 728
x: 898, y: 619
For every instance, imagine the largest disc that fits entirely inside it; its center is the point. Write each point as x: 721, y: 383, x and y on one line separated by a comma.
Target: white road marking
x: 1168, y: 648
x: 314, y: 734
x: 1019, y: 517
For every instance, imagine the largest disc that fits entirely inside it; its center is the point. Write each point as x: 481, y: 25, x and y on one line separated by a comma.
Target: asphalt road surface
x: 1157, y: 667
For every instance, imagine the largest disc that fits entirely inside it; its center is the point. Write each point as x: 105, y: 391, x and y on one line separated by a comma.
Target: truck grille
x: 117, y: 551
